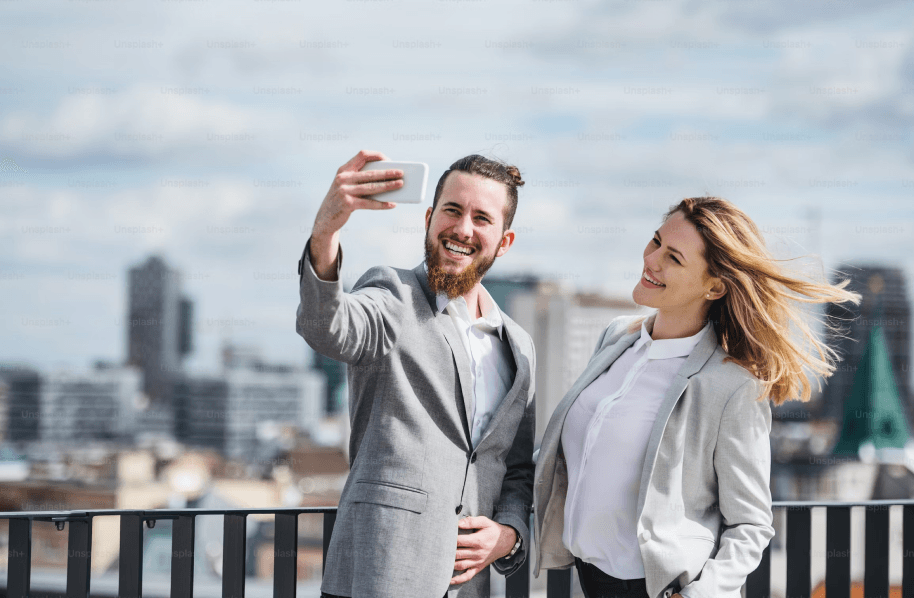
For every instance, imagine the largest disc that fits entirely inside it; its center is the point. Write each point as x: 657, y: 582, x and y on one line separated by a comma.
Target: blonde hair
x: 763, y: 301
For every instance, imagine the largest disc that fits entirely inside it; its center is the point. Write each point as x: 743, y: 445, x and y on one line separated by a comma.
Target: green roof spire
x: 873, y: 412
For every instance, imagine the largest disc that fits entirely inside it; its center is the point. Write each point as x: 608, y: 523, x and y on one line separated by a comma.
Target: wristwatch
x: 516, y: 546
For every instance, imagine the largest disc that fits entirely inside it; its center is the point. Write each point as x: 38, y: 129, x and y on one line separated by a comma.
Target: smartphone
x: 415, y: 180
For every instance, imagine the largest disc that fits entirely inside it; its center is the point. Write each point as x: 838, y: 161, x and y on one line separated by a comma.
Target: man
x: 441, y: 395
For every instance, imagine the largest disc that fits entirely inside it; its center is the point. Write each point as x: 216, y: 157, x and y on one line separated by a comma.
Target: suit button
x: 458, y: 509
x: 473, y: 458
x: 644, y: 536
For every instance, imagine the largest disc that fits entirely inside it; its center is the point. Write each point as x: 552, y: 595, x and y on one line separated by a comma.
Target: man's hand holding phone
x: 349, y: 192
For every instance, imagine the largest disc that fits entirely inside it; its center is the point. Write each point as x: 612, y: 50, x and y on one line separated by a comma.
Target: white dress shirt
x: 605, y: 438
x: 491, y: 362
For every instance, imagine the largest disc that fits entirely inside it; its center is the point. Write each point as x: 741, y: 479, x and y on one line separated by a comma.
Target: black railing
x: 559, y: 583
x: 837, y: 555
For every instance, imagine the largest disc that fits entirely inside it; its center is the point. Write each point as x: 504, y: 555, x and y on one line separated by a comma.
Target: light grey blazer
x: 704, y: 508
x: 413, y: 470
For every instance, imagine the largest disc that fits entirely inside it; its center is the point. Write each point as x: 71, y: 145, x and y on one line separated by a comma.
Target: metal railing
x: 559, y: 583
x: 130, y: 560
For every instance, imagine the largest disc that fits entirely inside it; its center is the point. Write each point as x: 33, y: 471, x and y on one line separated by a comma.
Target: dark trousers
x: 597, y: 584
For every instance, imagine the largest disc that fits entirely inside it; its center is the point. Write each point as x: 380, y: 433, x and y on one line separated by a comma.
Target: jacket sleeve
x: 515, y: 504
x: 742, y: 462
x: 356, y: 327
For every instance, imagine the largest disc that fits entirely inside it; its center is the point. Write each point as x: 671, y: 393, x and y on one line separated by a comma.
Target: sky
x: 209, y: 132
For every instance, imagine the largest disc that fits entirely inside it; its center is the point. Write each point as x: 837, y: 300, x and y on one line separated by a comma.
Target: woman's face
x: 674, y: 258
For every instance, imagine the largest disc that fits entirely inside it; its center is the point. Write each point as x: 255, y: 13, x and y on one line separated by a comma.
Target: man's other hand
x: 475, y: 551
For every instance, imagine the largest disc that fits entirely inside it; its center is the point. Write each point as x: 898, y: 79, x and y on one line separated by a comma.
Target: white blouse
x: 604, y: 439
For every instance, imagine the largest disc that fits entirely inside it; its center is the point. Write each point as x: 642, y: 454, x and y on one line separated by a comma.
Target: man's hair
x: 491, y: 169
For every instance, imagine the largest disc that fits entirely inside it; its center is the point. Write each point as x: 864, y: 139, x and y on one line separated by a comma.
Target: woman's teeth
x: 652, y: 281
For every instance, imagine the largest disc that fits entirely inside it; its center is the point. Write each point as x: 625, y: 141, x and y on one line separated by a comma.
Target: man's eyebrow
x: 673, y: 249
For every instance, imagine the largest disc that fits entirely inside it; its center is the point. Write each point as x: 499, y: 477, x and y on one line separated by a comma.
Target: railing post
x: 907, y: 557
x: 517, y: 585
x: 130, y: 574
x: 329, y: 522
x: 19, y: 559
x: 79, y: 558
x: 838, y: 552
x: 182, y: 556
x: 559, y: 583
x: 285, y: 555
x: 876, y: 572
x: 233, y: 553
x: 758, y: 584
x: 798, y: 551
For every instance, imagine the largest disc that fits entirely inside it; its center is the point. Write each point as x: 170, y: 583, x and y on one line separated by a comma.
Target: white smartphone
x: 415, y: 180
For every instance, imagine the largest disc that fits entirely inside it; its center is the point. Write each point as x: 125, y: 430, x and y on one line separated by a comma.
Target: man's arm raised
x: 348, y: 193
x: 348, y: 327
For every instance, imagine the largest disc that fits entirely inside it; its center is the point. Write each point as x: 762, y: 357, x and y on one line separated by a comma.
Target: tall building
x: 159, y: 327
x: 886, y: 304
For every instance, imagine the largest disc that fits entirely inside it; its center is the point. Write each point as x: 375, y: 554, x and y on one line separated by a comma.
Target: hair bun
x: 515, y: 174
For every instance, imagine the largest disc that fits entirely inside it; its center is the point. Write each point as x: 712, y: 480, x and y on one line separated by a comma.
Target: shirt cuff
x: 306, y: 261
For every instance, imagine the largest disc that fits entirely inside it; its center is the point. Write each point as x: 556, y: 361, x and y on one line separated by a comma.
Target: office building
x: 250, y: 408
x: 103, y: 404
x: 158, y: 327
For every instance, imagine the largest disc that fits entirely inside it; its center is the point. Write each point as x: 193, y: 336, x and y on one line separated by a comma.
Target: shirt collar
x: 491, y: 315
x: 669, y: 347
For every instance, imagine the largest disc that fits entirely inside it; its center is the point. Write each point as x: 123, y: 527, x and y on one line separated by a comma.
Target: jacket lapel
x: 521, y: 373
x: 693, y: 364
x: 446, y: 326
x: 598, y: 364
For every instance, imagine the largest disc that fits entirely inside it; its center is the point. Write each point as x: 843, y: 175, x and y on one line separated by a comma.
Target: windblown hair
x: 490, y: 169
x: 763, y: 302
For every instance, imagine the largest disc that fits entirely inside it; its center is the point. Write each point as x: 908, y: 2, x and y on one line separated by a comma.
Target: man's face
x: 466, y: 232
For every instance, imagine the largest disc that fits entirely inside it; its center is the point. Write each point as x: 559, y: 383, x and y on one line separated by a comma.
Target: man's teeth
x: 457, y: 249
x: 651, y: 280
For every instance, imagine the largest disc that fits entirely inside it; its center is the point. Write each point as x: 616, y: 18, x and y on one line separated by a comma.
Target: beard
x: 453, y: 285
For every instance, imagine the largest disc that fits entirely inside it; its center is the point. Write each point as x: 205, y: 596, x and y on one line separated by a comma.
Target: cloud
x: 143, y: 123
x: 613, y: 111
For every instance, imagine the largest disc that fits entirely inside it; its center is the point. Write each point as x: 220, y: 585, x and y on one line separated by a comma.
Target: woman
x: 652, y: 476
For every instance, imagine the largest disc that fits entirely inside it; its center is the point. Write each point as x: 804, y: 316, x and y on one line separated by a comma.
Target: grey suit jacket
x: 704, y: 504
x: 413, y: 470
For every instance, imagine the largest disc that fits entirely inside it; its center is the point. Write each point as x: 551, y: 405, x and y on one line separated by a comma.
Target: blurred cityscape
x: 148, y: 434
